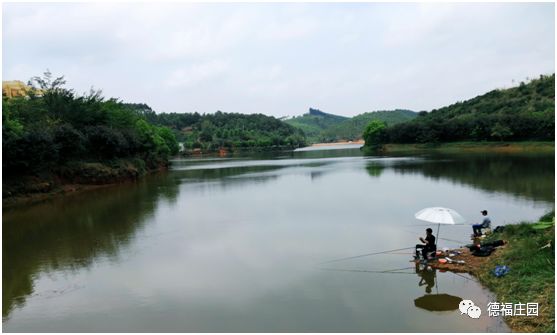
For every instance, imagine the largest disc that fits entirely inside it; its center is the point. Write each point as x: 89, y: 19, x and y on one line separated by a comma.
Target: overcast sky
x: 281, y: 59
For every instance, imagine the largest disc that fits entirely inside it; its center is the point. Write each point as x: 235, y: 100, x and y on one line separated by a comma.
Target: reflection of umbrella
x: 439, y: 215
x: 438, y: 302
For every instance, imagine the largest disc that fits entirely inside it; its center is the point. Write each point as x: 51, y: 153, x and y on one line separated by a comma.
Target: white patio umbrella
x: 439, y: 215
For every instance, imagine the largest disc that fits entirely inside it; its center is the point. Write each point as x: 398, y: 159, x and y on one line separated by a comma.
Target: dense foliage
x: 353, y: 128
x: 375, y: 132
x: 314, y: 122
x: 53, y: 127
x: 526, y: 112
x: 226, y: 130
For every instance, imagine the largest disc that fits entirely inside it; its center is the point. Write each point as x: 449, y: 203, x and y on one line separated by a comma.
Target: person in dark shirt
x: 428, y: 246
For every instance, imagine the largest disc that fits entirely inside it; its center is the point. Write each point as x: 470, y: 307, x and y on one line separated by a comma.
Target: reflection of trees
x: 327, y: 153
x: 314, y: 175
x: 530, y: 176
x: 69, y: 233
x: 224, y: 172
x: 242, y: 175
x: 375, y: 169
x: 228, y: 177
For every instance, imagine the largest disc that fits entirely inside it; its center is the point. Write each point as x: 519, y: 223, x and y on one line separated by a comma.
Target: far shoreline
x: 362, y: 142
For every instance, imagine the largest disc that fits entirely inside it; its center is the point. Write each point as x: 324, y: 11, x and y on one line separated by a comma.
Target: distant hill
x: 353, y: 128
x: 314, y: 122
x: 323, y: 127
x: 525, y: 112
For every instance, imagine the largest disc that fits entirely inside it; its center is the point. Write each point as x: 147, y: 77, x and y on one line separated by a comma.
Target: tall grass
x: 532, y: 273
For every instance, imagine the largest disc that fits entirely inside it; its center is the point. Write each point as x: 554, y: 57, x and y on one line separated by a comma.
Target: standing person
x: 428, y: 246
x: 486, y: 223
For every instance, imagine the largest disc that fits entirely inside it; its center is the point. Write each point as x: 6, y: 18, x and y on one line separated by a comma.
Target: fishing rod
x: 364, y: 255
x: 425, y: 224
x: 393, y: 271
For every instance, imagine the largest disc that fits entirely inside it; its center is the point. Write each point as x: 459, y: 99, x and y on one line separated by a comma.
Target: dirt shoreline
x: 472, y: 264
x: 338, y: 143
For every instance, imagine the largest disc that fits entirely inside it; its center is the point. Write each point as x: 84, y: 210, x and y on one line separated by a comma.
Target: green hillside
x: 314, y: 122
x: 522, y: 113
x: 353, y: 128
x: 210, y: 132
x: 323, y: 127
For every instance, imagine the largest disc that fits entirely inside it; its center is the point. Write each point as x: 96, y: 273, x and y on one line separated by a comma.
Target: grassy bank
x: 532, y: 273
x: 456, y: 147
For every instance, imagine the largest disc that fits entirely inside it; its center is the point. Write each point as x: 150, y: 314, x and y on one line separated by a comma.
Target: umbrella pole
x: 437, y: 240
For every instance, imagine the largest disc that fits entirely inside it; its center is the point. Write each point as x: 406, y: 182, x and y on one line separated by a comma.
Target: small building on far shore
x: 14, y: 88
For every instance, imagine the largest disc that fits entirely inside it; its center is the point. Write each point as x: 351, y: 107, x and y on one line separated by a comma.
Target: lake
x: 240, y: 244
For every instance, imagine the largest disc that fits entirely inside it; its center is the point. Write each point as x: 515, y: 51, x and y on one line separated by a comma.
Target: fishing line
x: 448, y: 239
x: 364, y: 255
x: 472, y: 279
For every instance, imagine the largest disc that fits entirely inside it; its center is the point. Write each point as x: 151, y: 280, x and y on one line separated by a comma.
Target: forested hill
x: 314, y: 122
x: 525, y: 112
x: 353, y: 128
x: 324, y: 127
x: 210, y: 132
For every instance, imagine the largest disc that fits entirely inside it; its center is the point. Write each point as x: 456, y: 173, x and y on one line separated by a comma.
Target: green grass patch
x: 530, y: 254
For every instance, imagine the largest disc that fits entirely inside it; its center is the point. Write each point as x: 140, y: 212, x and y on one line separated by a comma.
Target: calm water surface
x: 237, y: 245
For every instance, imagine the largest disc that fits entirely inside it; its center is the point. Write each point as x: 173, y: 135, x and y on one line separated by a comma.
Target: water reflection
x: 438, y: 302
x: 245, y: 231
x: 229, y: 173
x: 433, y: 302
x: 69, y: 234
x: 525, y: 175
x: 427, y: 276
x: 375, y: 169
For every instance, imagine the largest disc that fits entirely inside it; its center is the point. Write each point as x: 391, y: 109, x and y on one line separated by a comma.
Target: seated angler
x: 486, y: 223
x: 428, y: 246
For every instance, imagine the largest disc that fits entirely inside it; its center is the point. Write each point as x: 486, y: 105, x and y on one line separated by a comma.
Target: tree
x: 106, y: 142
x: 501, y: 131
x: 69, y: 141
x: 375, y: 134
x: 169, y: 139
x: 46, y: 84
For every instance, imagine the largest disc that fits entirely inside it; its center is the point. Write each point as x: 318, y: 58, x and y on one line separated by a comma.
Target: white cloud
x: 296, y: 28
x: 279, y: 59
x: 188, y: 76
